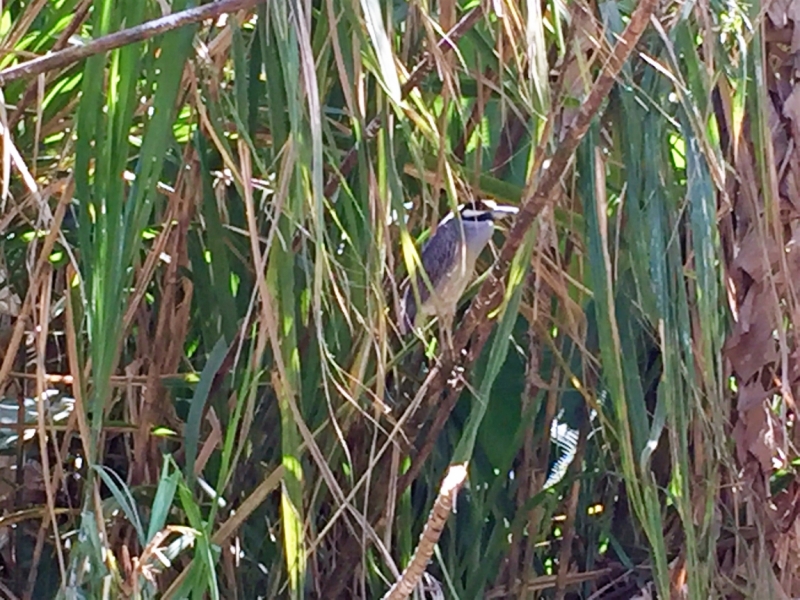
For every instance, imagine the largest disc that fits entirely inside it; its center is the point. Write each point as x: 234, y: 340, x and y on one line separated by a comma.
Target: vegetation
x: 204, y: 230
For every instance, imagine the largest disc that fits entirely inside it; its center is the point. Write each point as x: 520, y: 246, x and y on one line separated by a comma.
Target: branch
x: 145, y: 31
x: 442, y: 507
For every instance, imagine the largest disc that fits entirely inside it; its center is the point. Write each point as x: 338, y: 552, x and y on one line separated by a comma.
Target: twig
x: 442, y: 507
x: 545, y: 582
x: 118, y: 39
x: 42, y: 262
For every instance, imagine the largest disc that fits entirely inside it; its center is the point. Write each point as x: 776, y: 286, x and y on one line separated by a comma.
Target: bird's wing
x: 440, y: 253
x: 438, y: 256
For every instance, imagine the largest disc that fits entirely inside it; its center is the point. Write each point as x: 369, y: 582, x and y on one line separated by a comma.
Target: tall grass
x: 206, y: 231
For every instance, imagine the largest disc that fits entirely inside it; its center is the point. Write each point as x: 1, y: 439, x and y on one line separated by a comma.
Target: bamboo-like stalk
x: 145, y: 31
x: 453, y: 482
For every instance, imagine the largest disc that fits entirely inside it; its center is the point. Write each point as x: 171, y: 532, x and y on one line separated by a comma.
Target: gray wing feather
x: 438, y: 257
x: 439, y: 254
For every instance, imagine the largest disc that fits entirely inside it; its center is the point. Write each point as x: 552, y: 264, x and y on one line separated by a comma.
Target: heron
x: 448, y: 264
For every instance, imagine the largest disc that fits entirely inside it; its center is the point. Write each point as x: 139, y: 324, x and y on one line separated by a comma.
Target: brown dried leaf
x: 751, y: 347
x: 750, y: 257
x: 758, y: 434
x: 790, y: 186
x: 778, y: 131
x: 778, y: 13
x: 751, y: 395
x: 791, y: 110
x: 793, y: 13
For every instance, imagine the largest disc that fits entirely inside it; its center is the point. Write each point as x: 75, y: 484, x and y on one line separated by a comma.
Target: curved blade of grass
x: 165, y: 494
x: 123, y: 497
x: 383, y: 47
x: 199, y: 399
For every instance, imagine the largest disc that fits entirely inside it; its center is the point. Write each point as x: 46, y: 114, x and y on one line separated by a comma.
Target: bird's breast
x: 451, y: 286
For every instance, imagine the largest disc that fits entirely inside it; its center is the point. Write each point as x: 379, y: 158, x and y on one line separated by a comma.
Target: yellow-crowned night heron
x: 448, y: 259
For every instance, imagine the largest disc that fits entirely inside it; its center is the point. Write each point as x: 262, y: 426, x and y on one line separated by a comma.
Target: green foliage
x: 224, y: 292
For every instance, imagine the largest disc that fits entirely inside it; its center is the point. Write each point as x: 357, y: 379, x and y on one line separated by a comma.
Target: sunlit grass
x: 246, y: 413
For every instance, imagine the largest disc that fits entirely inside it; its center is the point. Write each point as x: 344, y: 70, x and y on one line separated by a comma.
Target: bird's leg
x: 446, y: 337
x: 447, y: 356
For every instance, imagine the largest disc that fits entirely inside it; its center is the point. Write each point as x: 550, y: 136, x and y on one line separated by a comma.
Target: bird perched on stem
x: 448, y: 264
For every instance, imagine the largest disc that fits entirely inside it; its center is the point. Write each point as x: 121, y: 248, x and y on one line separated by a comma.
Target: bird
x: 448, y: 261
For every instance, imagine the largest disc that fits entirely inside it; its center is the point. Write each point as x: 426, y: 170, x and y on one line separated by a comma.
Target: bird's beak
x: 500, y: 210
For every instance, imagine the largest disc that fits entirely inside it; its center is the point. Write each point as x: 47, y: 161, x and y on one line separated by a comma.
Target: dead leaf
x: 757, y: 434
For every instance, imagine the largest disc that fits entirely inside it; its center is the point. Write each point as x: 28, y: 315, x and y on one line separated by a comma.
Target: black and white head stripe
x: 471, y: 214
x: 485, y: 210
